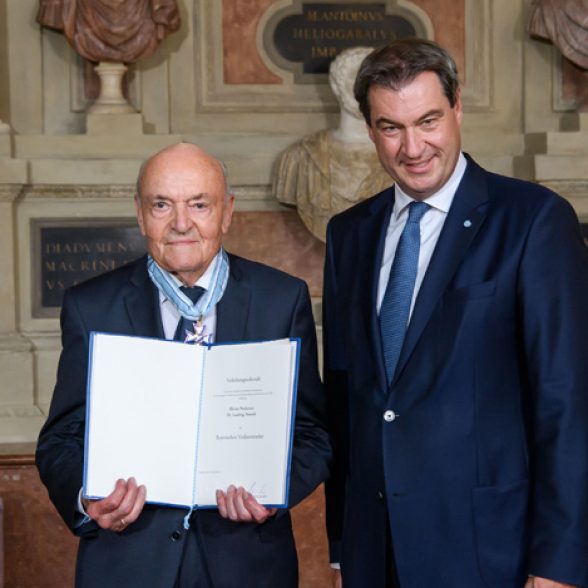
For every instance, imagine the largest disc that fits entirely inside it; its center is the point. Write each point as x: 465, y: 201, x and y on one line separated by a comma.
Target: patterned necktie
x: 395, y: 309
x: 185, y: 324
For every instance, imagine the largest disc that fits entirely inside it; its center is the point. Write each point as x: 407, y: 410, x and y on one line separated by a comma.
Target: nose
x: 181, y: 219
x: 413, y: 143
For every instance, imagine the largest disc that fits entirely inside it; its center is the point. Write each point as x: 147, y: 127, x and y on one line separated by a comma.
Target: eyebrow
x: 198, y: 196
x: 431, y: 113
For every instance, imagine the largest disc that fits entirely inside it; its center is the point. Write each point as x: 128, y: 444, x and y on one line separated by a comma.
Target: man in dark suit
x: 183, y: 207
x: 456, y: 363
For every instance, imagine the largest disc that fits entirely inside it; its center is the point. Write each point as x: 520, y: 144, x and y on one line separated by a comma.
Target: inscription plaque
x: 307, y: 42
x: 72, y: 251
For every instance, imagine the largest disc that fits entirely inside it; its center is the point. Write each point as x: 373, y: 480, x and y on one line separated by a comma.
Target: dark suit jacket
x: 484, y: 472
x: 259, y: 303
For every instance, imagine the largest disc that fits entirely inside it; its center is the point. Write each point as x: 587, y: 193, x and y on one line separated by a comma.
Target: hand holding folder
x: 189, y: 420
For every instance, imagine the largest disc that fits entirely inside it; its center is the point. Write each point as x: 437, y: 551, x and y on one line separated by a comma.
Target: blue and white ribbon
x: 169, y: 287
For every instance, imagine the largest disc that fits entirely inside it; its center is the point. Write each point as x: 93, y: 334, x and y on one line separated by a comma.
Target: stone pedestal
x: 557, y: 156
x: 5, y: 150
x: 20, y: 417
x: 115, y: 125
x: 111, y: 99
x: 11, y: 170
x: 576, y: 121
x: 557, y: 159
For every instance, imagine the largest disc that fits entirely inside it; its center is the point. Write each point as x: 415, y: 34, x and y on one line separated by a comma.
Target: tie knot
x: 416, y: 210
x: 194, y: 293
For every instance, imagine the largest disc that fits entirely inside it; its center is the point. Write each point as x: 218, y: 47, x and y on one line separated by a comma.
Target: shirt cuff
x: 82, y: 517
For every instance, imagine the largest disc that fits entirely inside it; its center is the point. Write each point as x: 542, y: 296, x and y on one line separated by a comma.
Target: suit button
x: 389, y: 416
x: 380, y: 495
x: 176, y: 536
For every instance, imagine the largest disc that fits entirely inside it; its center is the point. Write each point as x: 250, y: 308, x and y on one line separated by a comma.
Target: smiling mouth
x: 416, y: 166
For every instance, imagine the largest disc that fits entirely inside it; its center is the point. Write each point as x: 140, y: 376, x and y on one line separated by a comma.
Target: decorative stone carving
x: 565, y: 23
x: 113, y: 33
x: 328, y: 171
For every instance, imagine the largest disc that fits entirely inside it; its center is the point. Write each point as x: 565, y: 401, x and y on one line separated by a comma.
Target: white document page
x: 142, y: 416
x: 246, y: 424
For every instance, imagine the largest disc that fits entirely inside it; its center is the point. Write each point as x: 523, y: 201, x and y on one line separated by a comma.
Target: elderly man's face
x: 183, y: 210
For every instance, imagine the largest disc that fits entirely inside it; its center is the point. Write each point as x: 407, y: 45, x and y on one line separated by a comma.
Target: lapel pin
x: 467, y: 224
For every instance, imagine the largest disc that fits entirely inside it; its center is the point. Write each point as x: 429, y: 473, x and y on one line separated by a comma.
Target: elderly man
x: 456, y: 363
x: 183, y: 208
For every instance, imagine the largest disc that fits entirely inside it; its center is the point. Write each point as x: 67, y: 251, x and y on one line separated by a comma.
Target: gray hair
x: 397, y: 64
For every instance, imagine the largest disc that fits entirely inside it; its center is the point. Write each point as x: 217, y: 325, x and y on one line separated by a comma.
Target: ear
x: 139, y: 212
x: 228, y: 206
x: 458, y: 108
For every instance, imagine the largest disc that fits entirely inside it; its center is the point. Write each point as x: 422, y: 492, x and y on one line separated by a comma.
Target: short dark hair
x: 397, y: 64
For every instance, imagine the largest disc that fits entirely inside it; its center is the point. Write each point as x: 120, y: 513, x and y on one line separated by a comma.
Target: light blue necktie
x: 395, y: 309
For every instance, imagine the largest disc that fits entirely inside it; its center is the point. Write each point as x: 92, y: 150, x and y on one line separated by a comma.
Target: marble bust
x: 565, y: 24
x: 111, y: 30
x: 328, y: 171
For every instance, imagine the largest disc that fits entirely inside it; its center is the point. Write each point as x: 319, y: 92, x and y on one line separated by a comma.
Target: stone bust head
x: 342, y: 74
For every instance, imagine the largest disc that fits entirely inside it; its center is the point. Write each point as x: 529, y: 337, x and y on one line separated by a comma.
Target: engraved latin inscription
x: 72, y: 254
x: 317, y: 35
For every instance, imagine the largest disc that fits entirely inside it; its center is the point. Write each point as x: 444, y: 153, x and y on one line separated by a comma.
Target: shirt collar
x: 442, y: 199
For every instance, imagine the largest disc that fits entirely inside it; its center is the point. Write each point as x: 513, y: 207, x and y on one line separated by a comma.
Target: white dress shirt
x: 431, y: 225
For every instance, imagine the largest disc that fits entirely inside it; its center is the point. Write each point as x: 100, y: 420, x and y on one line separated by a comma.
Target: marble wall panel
x: 243, y: 65
x: 448, y: 19
x: 40, y: 551
x: 38, y: 548
x: 308, y: 520
x: 1, y: 542
x: 281, y: 240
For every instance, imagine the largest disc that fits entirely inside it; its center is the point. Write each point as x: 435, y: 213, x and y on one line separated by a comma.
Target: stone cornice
x: 79, y: 191
x: 10, y: 192
x: 570, y: 189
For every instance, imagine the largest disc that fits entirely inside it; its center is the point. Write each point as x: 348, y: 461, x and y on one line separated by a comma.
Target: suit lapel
x: 233, y: 307
x: 142, y: 303
x: 465, y: 217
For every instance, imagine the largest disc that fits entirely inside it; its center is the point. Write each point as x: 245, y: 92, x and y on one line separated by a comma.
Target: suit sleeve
x: 311, y: 455
x: 553, y: 295
x: 335, y: 378
x: 60, y: 449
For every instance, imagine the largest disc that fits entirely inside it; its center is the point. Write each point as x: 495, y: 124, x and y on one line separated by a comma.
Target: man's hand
x: 338, y: 580
x: 240, y: 506
x: 536, y: 582
x: 120, y: 508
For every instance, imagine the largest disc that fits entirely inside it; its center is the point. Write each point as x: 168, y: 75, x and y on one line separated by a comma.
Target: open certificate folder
x: 186, y: 420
